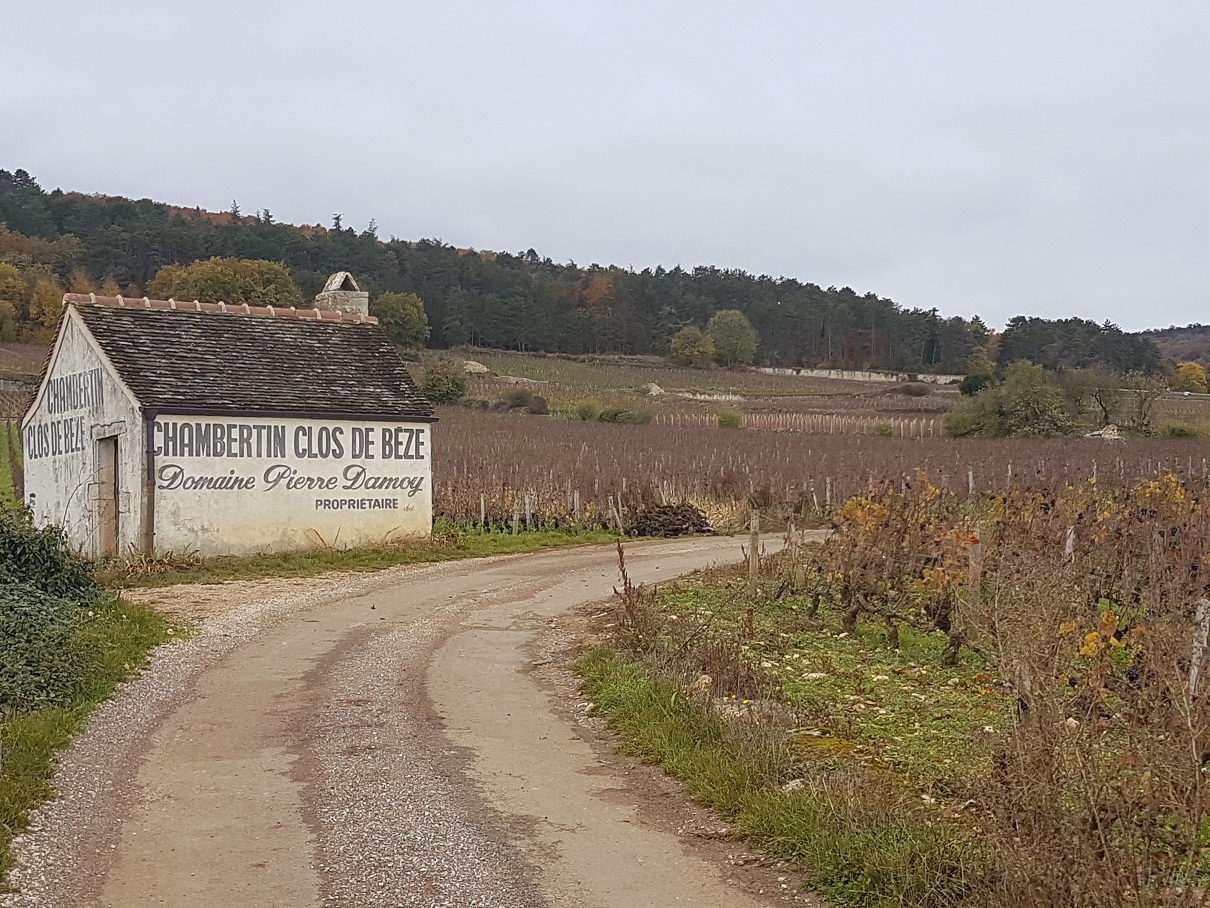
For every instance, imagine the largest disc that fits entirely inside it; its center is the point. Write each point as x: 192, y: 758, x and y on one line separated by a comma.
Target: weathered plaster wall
x: 80, y: 401
x: 228, y: 485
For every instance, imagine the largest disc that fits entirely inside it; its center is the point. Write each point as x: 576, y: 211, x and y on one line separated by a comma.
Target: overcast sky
x: 1045, y: 158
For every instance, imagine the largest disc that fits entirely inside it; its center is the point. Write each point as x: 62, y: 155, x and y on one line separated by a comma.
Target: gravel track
x: 289, y: 754
x: 376, y: 753
x: 60, y: 857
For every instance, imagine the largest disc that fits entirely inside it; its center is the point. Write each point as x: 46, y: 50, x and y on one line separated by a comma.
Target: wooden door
x: 107, y: 495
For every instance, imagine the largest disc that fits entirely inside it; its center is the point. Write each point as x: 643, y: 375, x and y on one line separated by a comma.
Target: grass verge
x: 7, y: 467
x: 861, y: 839
x: 121, y: 635
x: 898, y: 708
x: 448, y: 546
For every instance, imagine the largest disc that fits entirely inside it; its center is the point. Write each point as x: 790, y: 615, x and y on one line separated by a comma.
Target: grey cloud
x: 977, y: 157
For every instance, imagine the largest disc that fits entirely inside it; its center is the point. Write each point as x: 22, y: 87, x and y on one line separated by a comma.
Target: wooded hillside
x: 56, y: 241
x: 1190, y: 343
x: 517, y: 301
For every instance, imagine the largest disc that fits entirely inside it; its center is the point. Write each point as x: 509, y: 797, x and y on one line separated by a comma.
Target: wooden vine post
x: 753, y: 551
x: 1200, y: 639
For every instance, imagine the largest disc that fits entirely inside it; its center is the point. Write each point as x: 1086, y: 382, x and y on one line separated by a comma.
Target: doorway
x: 107, y: 495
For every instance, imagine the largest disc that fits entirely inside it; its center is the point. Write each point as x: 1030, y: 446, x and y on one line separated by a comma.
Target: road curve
x: 364, y: 740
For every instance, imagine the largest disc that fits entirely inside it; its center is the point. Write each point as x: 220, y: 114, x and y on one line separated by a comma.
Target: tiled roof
x: 211, y: 358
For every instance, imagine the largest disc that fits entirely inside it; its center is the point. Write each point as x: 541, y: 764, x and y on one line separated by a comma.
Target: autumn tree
x: 980, y: 362
x: 1140, y: 393
x: 690, y: 347
x: 45, y: 305
x: 403, y: 318
x: 14, y: 301
x: 229, y: 280
x: 980, y: 372
x: 1107, y: 394
x: 599, y: 293
x: 1190, y: 376
x: 81, y: 282
x: 733, y: 337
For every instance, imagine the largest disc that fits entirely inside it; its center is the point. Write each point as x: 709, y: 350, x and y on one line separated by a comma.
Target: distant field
x: 586, y: 375
x: 693, y: 396
x: 13, y: 403
x: 21, y: 359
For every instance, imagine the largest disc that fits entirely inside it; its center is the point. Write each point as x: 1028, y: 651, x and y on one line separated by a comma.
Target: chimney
x: 342, y: 294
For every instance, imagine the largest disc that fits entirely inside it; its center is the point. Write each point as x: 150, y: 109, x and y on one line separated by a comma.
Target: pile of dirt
x: 669, y: 520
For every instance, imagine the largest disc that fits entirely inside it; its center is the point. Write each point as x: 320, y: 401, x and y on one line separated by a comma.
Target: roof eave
x: 151, y: 411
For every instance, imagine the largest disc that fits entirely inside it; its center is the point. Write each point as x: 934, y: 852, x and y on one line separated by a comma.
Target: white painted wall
x: 282, y: 484
x: 79, y: 401
x: 931, y: 378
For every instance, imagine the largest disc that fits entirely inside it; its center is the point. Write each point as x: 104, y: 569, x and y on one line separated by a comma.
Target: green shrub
x: 45, y: 591
x: 517, y: 398
x: 588, y: 410
x: 43, y: 655
x: 973, y: 384
x: 624, y: 417
x: 40, y: 558
x: 444, y: 383
x: 1179, y: 430
x: 884, y: 430
x: 1028, y: 403
x: 730, y: 419
x: 55, y: 665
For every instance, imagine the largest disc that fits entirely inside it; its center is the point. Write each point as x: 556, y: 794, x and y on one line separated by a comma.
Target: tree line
x: 52, y: 241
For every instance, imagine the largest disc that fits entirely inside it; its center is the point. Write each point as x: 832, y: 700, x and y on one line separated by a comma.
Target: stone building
x: 202, y: 427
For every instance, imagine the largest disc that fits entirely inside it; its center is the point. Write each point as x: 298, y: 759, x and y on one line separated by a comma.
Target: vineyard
x: 994, y: 699
x: 800, y: 446
x: 560, y: 472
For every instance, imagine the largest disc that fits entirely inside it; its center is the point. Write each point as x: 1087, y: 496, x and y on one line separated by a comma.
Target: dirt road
x: 376, y: 740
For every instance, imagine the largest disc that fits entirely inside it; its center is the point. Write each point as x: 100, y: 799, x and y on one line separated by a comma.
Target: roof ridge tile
x: 222, y: 308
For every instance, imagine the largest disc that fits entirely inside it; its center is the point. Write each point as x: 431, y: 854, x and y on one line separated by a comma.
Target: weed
x: 730, y: 419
